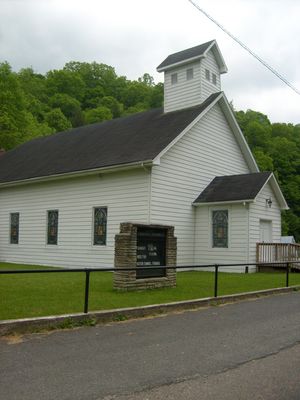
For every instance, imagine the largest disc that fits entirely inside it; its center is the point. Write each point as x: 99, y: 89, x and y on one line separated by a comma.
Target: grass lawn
x: 32, y: 295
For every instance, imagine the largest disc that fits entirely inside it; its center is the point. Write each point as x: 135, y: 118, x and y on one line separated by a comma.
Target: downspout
x: 149, y: 171
x: 248, y: 233
x: 195, y: 229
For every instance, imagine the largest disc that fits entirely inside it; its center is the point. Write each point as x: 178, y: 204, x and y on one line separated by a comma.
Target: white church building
x: 63, y: 197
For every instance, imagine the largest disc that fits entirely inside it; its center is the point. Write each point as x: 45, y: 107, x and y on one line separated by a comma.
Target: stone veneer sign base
x: 140, y: 245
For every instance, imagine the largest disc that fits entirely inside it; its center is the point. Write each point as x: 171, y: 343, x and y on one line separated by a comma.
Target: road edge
x: 32, y: 325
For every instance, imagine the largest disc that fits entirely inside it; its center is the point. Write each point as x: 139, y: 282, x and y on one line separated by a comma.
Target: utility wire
x: 246, y: 48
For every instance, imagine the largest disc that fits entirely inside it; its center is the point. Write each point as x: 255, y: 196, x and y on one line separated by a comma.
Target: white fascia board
x: 218, y: 55
x: 220, y: 203
x: 238, y: 134
x: 277, y: 191
x: 188, y: 128
x: 174, y: 65
x: 102, y: 170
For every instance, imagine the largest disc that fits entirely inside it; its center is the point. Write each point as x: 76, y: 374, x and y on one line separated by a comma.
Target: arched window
x: 220, y: 228
x: 14, y: 228
x: 100, y: 222
x: 52, y: 227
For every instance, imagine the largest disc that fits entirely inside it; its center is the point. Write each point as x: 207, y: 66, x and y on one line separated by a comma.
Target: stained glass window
x: 220, y: 228
x: 100, y: 223
x: 52, y: 227
x: 14, y: 228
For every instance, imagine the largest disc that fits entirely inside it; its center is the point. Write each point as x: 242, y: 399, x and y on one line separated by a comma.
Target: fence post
x: 87, y: 291
x: 216, y: 279
x: 287, y: 274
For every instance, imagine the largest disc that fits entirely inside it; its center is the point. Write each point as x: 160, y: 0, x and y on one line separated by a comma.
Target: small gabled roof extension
x: 193, y: 54
x: 239, y: 188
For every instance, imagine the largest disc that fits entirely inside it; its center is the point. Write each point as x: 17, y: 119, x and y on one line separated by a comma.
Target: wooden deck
x: 277, y: 253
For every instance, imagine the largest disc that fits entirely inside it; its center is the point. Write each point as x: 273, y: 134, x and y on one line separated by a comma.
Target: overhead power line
x: 246, y: 48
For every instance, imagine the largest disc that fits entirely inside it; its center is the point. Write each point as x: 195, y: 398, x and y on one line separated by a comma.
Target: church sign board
x: 142, y: 247
x: 151, y: 251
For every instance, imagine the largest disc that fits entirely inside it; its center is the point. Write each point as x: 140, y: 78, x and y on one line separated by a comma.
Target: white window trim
x: 9, y: 228
x: 46, y: 236
x: 210, y: 216
x: 98, y: 246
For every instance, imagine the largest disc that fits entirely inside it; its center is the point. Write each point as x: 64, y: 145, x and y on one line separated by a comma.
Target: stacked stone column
x: 126, y: 257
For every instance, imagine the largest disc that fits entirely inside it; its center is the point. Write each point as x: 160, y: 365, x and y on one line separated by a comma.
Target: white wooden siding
x: 185, y: 93
x: 209, y: 149
x: 260, y: 211
x: 237, y: 251
x: 207, y: 87
x: 126, y: 195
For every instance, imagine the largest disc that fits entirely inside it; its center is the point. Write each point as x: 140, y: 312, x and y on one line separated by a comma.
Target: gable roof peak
x: 239, y: 188
x: 192, y: 54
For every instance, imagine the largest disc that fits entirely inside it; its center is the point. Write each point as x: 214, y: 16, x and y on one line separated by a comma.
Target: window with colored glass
x: 14, y: 228
x: 52, y: 231
x: 100, y: 225
x: 220, y: 228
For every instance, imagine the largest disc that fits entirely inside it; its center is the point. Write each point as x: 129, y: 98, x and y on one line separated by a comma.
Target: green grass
x: 32, y: 295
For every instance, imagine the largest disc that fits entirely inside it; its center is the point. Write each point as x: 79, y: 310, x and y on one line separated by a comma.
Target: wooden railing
x: 276, y: 252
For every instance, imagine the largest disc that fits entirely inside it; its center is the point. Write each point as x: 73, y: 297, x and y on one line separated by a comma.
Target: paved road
x: 239, y: 351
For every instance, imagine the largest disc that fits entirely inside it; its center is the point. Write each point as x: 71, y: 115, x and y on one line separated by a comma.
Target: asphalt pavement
x: 246, y: 350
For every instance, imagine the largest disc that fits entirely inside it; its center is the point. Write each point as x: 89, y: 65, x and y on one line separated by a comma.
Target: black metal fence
x: 216, y: 267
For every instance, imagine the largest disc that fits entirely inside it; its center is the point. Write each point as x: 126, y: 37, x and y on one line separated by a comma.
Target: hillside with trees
x: 33, y: 105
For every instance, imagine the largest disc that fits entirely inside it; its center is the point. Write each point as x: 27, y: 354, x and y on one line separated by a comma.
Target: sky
x: 135, y: 36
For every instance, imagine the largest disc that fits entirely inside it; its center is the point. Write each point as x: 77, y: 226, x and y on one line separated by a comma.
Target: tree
x: 17, y: 123
x: 57, y: 120
x: 98, y: 114
x: 69, y: 106
x: 147, y: 80
x: 264, y: 161
x: 113, y: 105
x: 64, y: 81
x: 157, y: 96
x: 257, y: 134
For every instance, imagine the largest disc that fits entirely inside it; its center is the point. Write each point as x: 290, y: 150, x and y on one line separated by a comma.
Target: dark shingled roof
x: 233, y: 188
x: 196, y: 51
x: 139, y: 137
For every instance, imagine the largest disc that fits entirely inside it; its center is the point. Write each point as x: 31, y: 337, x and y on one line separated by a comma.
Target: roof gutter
x: 220, y: 203
x: 77, y: 174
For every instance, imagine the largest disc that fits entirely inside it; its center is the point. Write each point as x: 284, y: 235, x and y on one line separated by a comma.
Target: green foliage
x: 70, y: 107
x: 18, y: 122
x: 98, y: 114
x: 113, y: 105
x: 64, y: 81
x: 33, y: 105
x: 276, y: 148
x: 56, y: 119
x: 264, y: 162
